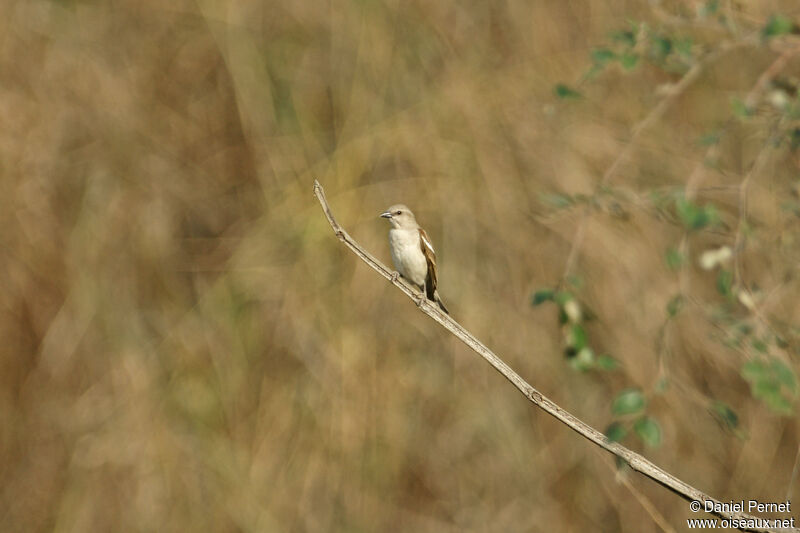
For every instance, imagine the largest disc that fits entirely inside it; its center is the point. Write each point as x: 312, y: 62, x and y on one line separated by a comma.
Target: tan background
x: 186, y: 346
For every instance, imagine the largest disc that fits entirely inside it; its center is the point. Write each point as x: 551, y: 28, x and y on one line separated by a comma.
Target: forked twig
x: 633, y: 459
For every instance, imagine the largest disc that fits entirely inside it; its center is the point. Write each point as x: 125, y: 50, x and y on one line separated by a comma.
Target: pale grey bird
x: 412, y: 252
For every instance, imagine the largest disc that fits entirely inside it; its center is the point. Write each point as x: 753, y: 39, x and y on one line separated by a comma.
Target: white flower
x: 573, y: 311
x: 746, y: 299
x: 711, y: 258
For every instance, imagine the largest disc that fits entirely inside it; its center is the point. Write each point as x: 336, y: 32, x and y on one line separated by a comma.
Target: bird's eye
x: 398, y: 212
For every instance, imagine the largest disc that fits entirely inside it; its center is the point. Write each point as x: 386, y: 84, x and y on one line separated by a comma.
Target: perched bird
x: 412, y: 252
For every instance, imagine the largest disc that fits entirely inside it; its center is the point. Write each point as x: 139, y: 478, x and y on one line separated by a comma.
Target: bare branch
x: 633, y: 459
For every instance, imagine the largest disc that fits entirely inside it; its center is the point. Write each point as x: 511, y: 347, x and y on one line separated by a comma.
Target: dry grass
x: 186, y: 347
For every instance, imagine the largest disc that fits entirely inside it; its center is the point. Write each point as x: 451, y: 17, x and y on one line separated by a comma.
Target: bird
x: 412, y: 253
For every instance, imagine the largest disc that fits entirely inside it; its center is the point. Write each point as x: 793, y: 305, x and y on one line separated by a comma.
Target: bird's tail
x: 432, y: 294
x: 436, y: 298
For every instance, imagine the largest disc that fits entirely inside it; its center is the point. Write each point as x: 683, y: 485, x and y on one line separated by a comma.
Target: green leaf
x: 708, y: 217
x: 759, y: 345
x: 662, y: 47
x: 575, y: 281
x: 724, y: 283
x: 794, y: 139
x: 562, y: 297
x: 603, y: 56
x: 628, y: 61
x: 628, y: 402
x: 710, y: 139
x: 675, y: 305
x: 784, y: 375
x: 724, y: 412
x: 606, y: 362
x: 541, y: 296
x: 754, y: 370
x: 684, y: 47
x: 771, y: 381
x: 566, y: 92
x: 687, y: 212
x: 779, y: 404
x: 674, y: 258
x: 615, y: 432
x: 576, y: 337
x: 648, y: 430
x: 778, y: 25
x: 624, y: 37
x: 709, y: 8
x: 583, y: 360
x: 693, y: 216
x: 740, y: 109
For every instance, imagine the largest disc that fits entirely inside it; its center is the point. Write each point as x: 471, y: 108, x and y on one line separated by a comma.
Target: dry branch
x: 633, y: 459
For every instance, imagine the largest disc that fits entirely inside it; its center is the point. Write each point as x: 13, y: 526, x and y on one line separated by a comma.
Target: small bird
x: 412, y: 252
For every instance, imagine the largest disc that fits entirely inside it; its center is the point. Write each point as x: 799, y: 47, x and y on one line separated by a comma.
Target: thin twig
x: 738, y: 244
x: 752, y: 99
x: 794, y: 475
x: 633, y: 459
x: 766, y: 77
x: 648, y: 506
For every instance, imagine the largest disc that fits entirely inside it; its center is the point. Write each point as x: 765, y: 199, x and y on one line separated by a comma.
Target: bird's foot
x: 395, y: 275
x: 420, y: 300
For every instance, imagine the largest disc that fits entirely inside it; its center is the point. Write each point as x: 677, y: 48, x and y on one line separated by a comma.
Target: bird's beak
x: 386, y: 214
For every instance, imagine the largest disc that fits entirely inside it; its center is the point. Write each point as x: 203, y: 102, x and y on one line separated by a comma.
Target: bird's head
x: 400, y: 217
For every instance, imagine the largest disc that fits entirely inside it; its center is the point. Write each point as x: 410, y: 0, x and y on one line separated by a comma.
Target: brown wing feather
x: 430, y: 257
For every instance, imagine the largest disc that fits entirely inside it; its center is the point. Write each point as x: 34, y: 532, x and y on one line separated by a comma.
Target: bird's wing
x: 430, y: 258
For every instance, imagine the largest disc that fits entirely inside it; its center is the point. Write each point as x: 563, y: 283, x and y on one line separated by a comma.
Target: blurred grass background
x: 187, y: 347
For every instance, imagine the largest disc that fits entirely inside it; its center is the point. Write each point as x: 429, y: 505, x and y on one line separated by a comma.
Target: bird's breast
x: 407, y: 256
